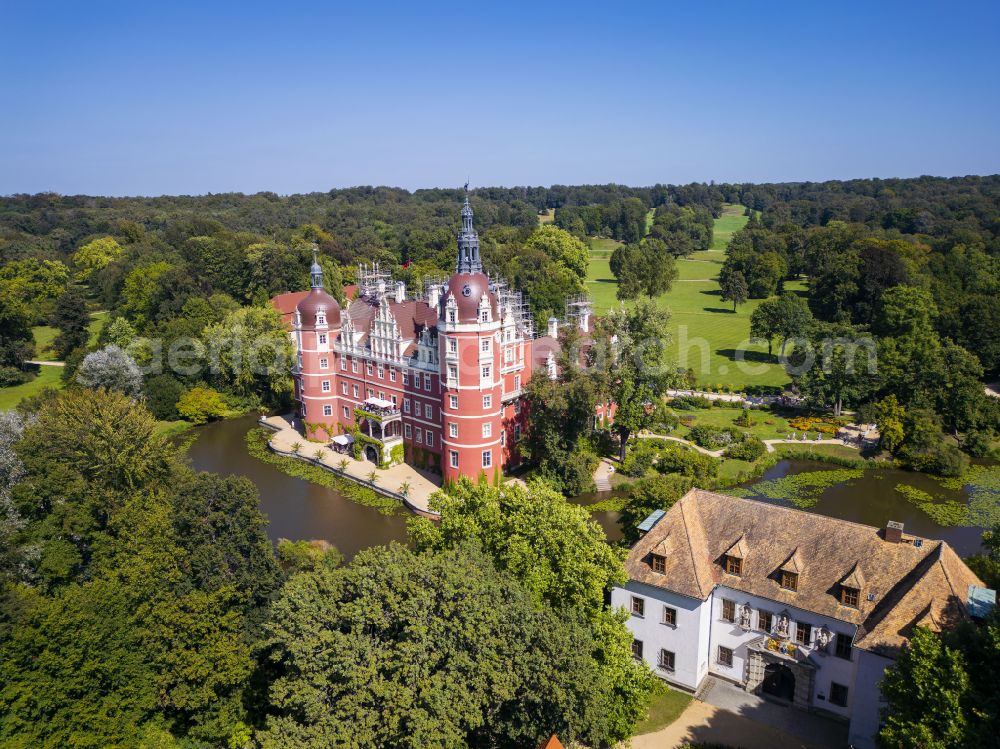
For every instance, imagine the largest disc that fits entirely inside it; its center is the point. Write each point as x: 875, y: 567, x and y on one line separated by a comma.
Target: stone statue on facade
x: 822, y: 639
x: 783, y: 624
x: 745, y: 613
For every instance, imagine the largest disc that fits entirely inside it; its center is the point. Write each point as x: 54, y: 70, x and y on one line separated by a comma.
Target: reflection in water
x: 296, y: 509
x: 873, y: 500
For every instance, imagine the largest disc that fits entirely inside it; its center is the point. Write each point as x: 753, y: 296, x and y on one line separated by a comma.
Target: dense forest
x: 141, y: 603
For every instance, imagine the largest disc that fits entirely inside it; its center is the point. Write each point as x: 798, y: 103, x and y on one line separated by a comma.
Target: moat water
x: 297, y: 509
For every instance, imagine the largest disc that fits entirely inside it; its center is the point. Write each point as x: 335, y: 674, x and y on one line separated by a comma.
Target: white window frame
x: 487, y: 458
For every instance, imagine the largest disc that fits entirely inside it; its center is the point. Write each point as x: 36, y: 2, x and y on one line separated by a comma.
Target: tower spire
x: 468, y: 242
x: 316, y: 271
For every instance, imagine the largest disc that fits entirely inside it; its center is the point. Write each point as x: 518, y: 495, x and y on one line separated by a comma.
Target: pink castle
x: 436, y: 381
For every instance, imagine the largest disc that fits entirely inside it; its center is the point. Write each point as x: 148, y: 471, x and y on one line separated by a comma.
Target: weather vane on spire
x: 466, y: 187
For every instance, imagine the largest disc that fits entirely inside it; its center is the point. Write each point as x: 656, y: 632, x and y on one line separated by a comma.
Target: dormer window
x: 659, y: 563
x: 850, y: 587
x: 789, y: 580
x: 485, y: 317
x: 732, y: 560
x: 849, y: 596
x: 452, y: 316
x: 320, y: 319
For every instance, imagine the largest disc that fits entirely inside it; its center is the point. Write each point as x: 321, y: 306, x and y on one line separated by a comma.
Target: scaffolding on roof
x: 517, y: 302
x: 373, y: 282
x: 579, y: 309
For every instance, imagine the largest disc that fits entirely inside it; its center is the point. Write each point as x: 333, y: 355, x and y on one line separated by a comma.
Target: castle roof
x: 915, y: 581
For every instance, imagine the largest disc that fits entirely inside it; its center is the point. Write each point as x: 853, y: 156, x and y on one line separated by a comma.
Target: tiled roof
x: 286, y: 304
x: 411, y: 315
x: 900, y: 583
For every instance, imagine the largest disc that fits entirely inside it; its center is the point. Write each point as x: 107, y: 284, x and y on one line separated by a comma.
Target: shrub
x: 638, y: 461
x: 200, y: 404
x: 941, y: 459
x: 978, y: 443
x: 10, y: 376
x: 680, y: 460
x: 745, y: 419
x: 712, y: 438
x: 749, y: 449
x: 691, y: 402
x: 162, y: 393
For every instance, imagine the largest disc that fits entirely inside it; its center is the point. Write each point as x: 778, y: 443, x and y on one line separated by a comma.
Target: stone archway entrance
x: 778, y: 669
x: 371, y: 454
x: 779, y: 682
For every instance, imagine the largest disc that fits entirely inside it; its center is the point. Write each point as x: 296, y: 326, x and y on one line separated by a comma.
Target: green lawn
x: 706, y: 332
x: 664, y: 710
x: 45, y: 335
x: 47, y: 377
x: 724, y: 417
x: 548, y: 217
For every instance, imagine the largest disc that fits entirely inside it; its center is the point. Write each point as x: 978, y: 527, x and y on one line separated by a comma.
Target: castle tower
x: 469, y: 334
x: 316, y: 326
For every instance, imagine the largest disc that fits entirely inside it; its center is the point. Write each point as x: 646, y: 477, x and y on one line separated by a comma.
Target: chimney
x: 893, y: 532
x: 554, y: 327
x: 400, y: 291
x: 433, y: 295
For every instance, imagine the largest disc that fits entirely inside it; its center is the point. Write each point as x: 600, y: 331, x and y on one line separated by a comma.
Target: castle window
x: 343, y: 364
x: 485, y: 316
x: 670, y: 616
x: 347, y: 412
x: 638, y: 606
x: 381, y: 372
x: 666, y: 661
x: 659, y: 563
x: 427, y: 382
x: 328, y: 410
x: 322, y: 339
x: 487, y: 402
x: 452, y: 429
x: 407, y: 431
x: 430, y: 438
x: 849, y: 596
x: 369, y: 393
x: 392, y: 375
x: 354, y: 366
x: 325, y: 386
x: 764, y: 621
x: 728, y: 610
x: 802, y: 632
x: 452, y: 346
x: 369, y: 368
x: 734, y: 566
x: 517, y: 382
x: 406, y: 378
x: 843, y: 646
x: 725, y: 657
x: 789, y: 581
x: 343, y: 388
x: 517, y: 432
x: 406, y: 405
x: 838, y: 694
x: 355, y: 391
x: 420, y: 434
x: 637, y: 649
x: 487, y: 430
x: 429, y: 411
x: 453, y: 401
x: 487, y: 458
x: 484, y: 344
x: 487, y: 371
x: 381, y: 395
x: 324, y: 363
x: 453, y: 456
x: 320, y: 319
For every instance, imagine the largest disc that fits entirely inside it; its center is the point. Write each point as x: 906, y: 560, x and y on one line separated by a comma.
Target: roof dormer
x: 788, y: 573
x: 734, y: 556
x: 851, y: 586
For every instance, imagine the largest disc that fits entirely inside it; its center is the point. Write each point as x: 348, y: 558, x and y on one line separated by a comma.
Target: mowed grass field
x: 707, y: 334
x: 48, y: 376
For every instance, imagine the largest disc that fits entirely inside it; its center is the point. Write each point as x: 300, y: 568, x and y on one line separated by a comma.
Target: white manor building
x: 807, y: 609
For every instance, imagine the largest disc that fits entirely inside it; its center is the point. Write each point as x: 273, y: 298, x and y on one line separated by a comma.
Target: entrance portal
x: 371, y: 453
x: 779, y: 681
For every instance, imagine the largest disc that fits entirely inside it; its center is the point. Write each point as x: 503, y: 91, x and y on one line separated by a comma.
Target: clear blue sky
x: 149, y: 98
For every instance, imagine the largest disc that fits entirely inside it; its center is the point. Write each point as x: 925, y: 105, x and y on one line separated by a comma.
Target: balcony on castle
x: 380, y: 419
